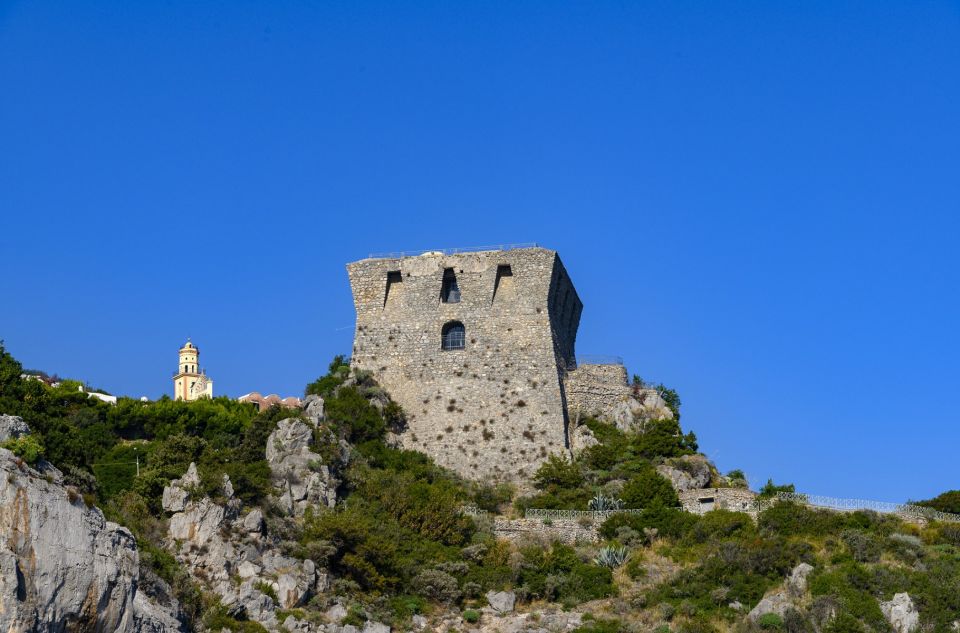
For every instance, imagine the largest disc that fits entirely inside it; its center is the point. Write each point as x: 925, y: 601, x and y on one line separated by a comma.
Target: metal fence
x: 542, y: 513
x: 905, y: 510
x: 597, y: 359
x: 850, y: 505
x: 473, y: 511
x: 452, y: 251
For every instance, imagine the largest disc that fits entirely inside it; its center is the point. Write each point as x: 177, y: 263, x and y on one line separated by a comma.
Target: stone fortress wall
x: 496, y: 408
x: 599, y: 388
x: 596, y: 388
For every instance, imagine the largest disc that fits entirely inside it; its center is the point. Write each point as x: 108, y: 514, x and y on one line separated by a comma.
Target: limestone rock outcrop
x: 689, y: 472
x: 901, y: 613
x: 300, y: 476
x: 227, y: 546
x: 602, y: 391
x: 62, y: 565
x: 777, y: 603
x: 313, y: 408
x: 12, y: 427
x: 501, y: 601
x: 797, y: 581
x: 786, y: 598
x: 630, y: 412
x: 177, y: 494
x: 582, y: 438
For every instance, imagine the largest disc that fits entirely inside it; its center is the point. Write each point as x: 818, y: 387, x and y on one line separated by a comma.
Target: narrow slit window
x: 453, y: 336
x: 503, y: 285
x: 394, y: 288
x: 450, y: 291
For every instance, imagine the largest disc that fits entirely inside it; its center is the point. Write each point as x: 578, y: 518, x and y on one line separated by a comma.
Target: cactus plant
x: 602, y: 503
x: 611, y: 557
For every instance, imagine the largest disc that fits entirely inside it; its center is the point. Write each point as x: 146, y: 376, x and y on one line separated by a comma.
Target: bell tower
x: 190, y: 382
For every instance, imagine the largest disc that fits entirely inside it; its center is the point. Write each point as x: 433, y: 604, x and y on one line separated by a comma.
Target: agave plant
x: 611, y: 557
x: 601, y: 503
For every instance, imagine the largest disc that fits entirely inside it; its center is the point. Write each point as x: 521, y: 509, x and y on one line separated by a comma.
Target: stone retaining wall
x: 564, y: 530
x: 701, y: 500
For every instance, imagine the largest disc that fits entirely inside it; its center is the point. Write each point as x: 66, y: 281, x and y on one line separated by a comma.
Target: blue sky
x: 758, y: 202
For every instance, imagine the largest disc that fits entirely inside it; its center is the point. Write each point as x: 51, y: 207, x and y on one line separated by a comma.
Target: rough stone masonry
x: 474, y: 347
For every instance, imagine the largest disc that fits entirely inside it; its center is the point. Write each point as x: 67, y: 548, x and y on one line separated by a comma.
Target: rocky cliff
x: 63, y: 567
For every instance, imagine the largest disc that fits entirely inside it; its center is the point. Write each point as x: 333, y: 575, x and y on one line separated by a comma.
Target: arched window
x: 453, y: 336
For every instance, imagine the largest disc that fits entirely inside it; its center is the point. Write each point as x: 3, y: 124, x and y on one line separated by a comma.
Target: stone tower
x: 474, y: 346
x: 190, y: 382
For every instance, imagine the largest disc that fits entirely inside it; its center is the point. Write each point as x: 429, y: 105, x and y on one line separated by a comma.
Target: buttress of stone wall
x: 493, y: 409
x: 596, y: 389
x: 565, y: 311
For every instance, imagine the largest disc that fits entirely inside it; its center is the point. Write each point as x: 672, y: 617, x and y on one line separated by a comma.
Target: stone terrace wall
x: 564, y: 530
x: 700, y: 500
x: 495, y: 409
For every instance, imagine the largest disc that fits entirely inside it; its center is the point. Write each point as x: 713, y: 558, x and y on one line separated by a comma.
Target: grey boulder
x: 501, y: 601
x: 901, y: 613
x: 12, y: 427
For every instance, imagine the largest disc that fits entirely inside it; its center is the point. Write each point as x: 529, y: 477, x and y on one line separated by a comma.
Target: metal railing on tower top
x: 452, y: 251
x: 595, y: 359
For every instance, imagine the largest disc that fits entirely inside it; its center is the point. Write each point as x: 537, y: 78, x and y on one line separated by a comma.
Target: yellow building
x: 190, y: 382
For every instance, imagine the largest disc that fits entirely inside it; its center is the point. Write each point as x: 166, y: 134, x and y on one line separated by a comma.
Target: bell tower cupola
x: 191, y: 382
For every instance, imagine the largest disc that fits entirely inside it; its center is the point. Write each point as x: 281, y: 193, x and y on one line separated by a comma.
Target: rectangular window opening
x: 503, y: 285
x: 394, y: 287
x: 449, y: 291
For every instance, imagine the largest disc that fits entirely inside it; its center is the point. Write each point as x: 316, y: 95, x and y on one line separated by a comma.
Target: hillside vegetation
x: 397, y: 543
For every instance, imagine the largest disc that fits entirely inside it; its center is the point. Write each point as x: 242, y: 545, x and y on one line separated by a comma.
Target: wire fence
x: 452, y: 251
x: 543, y: 513
x: 596, y: 359
x: 906, y: 510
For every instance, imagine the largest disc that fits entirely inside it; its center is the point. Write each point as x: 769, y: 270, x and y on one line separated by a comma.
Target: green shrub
x: 945, y: 502
x: 557, y: 472
x: 218, y: 619
x: 670, y: 522
x: 491, y: 497
x: 949, y: 533
x: 353, y: 414
x: 27, y: 447
x: 844, y: 623
x: 770, y: 622
x: 436, y: 585
x: 355, y: 616
x: 599, y: 625
x: 471, y: 615
x: 720, y: 525
x: 432, y: 510
x: 636, y: 569
x: 558, y: 574
x: 794, y: 519
x: 648, y: 488
x: 697, y: 625
x: 337, y: 373
x: 771, y: 489
x: 267, y: 589
x: 743, y: 569
x: 663, y: 438
x: 406, y: 606
x: 863, y: 547
x: 852, y: 587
